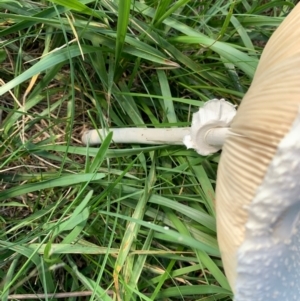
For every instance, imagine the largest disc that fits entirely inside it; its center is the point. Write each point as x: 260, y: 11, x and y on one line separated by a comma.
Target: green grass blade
x: 168, y: 105
x: 123, y: 20
x: 79, y: 7
x: 62, y: 181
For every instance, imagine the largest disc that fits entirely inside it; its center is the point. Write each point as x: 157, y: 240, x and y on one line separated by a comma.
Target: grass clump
x: 118, y: 222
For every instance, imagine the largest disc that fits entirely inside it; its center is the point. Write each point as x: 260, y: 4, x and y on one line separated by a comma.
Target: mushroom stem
x: 210, y: 127
x: 173, y: 136
x: 138, y: 135
x: 216, y: 136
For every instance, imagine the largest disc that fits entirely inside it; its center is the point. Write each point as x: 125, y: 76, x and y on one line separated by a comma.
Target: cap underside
x: 264, y: 118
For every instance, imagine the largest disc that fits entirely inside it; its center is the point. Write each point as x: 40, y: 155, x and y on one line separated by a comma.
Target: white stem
x: 138, y: 135
x: 210, y: 127
x: 216, y: 136
x: 174, y: 136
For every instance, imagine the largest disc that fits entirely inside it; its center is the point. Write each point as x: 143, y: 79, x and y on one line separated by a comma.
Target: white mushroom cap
x: 258, y: 195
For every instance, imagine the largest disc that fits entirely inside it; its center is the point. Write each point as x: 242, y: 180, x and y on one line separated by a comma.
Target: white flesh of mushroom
x: 270, y: 253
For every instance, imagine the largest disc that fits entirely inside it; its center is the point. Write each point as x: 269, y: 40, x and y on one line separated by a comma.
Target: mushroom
x: 206, y: 135
x: 258, y: 189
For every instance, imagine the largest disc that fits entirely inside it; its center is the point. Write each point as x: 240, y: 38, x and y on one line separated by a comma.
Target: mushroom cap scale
x: 264, y: 118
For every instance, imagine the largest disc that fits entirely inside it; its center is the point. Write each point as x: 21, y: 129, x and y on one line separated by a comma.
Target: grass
x: 119, y: 222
